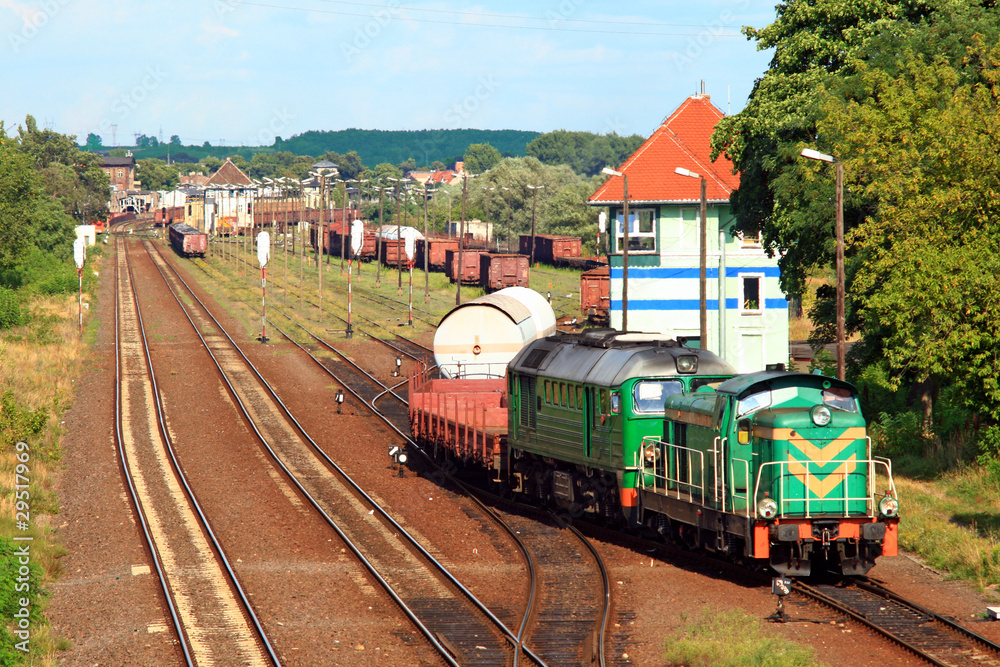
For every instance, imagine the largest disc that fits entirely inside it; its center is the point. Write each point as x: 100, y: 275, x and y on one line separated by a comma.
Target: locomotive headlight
x: 820, y: 415
x: 650, y: 453
x: 888, y: 506
x: 767, y: 508
x: 687, y: 363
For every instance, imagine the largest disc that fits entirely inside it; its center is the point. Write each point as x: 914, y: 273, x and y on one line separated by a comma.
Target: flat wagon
x: 187, y: 240
x: 497, y: 271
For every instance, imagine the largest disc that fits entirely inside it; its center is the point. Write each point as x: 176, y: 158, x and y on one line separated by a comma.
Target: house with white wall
x: 747, y: 311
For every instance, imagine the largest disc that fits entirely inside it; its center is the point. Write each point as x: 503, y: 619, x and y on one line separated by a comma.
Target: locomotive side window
x: 840, y: 398
x: 579, y: 398
x: 748, y: 404
x: 562, y: 395
x: 548, y: 392
x: 649, y: 395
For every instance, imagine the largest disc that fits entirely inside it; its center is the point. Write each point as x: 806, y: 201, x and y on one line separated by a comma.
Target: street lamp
x: 839, y: 205
x: 534, y: 205
x: 702, y: 259
x: 612, y: 172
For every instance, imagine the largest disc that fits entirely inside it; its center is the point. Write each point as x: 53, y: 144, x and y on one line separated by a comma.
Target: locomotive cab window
x: 649, y: 395
x: 840, y: 398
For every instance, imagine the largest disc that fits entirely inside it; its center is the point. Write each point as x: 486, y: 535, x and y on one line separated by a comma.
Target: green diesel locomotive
x: 579, y: 406
x: 776, y: 467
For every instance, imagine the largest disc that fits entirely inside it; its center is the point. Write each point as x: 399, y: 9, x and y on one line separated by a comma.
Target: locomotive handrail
x: 785, y: 475
x: 746, y: 494
x: 640, y: 466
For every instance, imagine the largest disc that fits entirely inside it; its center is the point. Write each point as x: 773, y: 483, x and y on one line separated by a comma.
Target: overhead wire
x: 716, y: 33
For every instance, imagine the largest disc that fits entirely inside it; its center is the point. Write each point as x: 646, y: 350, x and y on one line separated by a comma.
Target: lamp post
x: 534, y: 205
x: 321, y: 236
x: 702, y: 259
x: 427, y: 252
x: 378, y: 237
x: 486, y: 213
x: 509, y: 215
x: 839, y: 205
x: 461, y: 239
x: 612, y: 172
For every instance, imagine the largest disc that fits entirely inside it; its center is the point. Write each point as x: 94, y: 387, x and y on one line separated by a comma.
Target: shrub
x: 10, y: 309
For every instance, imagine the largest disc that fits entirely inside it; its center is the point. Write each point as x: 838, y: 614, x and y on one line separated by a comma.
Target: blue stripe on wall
x: 712, y: 274
x: 691, y: 304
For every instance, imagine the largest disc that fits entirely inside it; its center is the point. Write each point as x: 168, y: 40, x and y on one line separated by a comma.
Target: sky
x: 235, y: 72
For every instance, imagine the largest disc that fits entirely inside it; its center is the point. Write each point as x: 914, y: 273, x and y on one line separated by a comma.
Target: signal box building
x: 750, y: 329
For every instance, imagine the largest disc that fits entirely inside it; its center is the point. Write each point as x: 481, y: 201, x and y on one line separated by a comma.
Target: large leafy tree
x: 18, y: 197
x: 814, y: 42
x: 919, y: 140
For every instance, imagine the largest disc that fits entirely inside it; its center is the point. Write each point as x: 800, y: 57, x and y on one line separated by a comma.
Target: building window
x: 751, y: 294
x: 750, y: 239
x: 641, y: 231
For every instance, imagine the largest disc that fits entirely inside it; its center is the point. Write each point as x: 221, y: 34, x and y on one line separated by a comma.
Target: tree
x: 920, y: 142
x: 175, y: 141
x: 584, y: 152
x: 480, y: 158
x: 94, y: 142
x: 156, y: 175
x: 18, y: 194
x: 814, y: 42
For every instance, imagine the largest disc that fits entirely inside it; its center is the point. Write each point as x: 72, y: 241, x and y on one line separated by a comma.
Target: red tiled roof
x: 681, y: 141
x: 229, y: 174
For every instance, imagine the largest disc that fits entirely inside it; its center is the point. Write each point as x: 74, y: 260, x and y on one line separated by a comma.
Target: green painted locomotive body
x: 776, y: 466
x: 579, y: 406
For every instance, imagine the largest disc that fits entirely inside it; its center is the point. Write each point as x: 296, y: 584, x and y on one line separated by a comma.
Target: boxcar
x: 470, y: 266
x: 595, y: 294
x: 497, y: 271
x: 436, y: 250
x: 187, y: 240
x: 334, y: 235
x: 551, y: 248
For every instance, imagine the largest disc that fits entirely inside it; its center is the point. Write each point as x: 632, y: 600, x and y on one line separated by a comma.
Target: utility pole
x: 378, y: 239
x: 427, y: 251
x: 461, y: 244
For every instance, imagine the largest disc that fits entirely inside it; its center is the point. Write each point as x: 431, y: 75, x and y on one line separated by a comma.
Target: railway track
x: 928, y: 635
x: 211, y: 616
x: 454, y: 622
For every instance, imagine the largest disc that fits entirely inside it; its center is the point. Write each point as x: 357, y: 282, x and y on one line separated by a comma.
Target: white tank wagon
x: 479, y: 338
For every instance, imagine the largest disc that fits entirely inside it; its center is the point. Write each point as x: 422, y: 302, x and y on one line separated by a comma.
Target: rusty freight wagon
x: 497, y: 271
x: 470, y: 266
x: 334, y: 234
x: 551, y: 248
x: 466, y: 418
x: 187, y: 240
x: 595, y: 294
x: 436, y: 250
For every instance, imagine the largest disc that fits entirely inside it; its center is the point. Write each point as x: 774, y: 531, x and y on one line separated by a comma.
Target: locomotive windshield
x: 650, y: 394
x: 840, y: 398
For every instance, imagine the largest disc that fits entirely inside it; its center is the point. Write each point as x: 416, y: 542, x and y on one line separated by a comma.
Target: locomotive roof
x: 742, y: 384
x: 607, y: 357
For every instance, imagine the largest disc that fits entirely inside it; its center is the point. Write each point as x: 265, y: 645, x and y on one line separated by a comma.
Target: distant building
x: 475, y: 230
x: 225, y: 205
x: 121, y: 172
x: 750, y: 329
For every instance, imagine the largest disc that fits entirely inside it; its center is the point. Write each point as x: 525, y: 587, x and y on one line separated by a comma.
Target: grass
x: 953, y: 523
x: 39, y: 364
x: 732, y: 638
